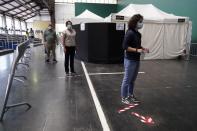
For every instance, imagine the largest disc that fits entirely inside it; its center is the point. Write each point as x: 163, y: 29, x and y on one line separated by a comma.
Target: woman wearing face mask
x: 133, y: 48
x: 69, y: 45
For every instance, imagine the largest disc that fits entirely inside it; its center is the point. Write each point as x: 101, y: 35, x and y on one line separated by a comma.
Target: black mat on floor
x: 167, y: 91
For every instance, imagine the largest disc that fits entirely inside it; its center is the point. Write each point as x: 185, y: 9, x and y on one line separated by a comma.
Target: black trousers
x: 69, y: 58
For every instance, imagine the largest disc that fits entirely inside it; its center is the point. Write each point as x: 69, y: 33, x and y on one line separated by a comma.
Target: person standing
x: 133, y: 49
x: 31, y: 35
x: 69, y: 45
x: 27, y: 34
x: 50, y: 39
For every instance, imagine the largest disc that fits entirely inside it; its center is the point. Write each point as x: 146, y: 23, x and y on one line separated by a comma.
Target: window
x: 23, y: 25
x: 9, y: 22
x: 1, y: 21
x: 17, y: 24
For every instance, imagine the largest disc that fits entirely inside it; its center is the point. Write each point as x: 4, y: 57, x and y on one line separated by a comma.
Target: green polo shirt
x: 50, y: 36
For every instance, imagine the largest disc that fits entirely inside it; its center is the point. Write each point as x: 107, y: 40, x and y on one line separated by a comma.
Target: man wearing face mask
x: 69, y: 45
x: 133, y: 49
x: 50, y: 39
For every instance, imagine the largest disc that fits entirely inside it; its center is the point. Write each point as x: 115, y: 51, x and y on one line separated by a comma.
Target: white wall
x: 63, y: 12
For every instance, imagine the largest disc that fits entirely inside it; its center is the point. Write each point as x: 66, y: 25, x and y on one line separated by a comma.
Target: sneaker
x: 133, y: 99
x: 126, y: 100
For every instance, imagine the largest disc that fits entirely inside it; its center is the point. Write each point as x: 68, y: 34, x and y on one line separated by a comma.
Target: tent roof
x: 86, y: 17
x: 150, y: 13
x: 89, y: 14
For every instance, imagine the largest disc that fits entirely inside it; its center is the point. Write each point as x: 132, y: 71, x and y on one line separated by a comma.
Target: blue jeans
x: 131, y: 68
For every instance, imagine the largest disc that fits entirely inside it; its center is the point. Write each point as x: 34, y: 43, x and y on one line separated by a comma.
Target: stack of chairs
x: 11, y: 41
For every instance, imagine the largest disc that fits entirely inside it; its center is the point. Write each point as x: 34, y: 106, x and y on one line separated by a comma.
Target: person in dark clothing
x: 31, y: 35
x: 69, y: 45
x: 133, y: 49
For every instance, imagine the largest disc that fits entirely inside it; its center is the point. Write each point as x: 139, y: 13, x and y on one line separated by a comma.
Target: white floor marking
x: 141, y: 72
x: 63, y: 77
x: 112, y: 73
x: 99, y: 109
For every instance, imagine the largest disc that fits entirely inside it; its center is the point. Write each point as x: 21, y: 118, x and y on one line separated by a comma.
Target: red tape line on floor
x: 147, y: 120
x: 127, y: 108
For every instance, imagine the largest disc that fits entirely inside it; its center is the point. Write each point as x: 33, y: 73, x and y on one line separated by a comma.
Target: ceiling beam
x: 6, y: 2
x: 30, y: 17
x: 46, y: 3
x: 10, y: 15
x: 36, y: 11
x: 15, y: 7
x: 25, y: 4
x: 25, y: 10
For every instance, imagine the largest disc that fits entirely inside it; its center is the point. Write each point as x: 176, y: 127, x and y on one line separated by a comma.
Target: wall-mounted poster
x: 119, y: 26
x: 82, y: 27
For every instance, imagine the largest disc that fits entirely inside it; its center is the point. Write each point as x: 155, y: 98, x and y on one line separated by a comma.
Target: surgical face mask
x: 49, y: 27
x: 69, y: 26
x: 139, y: 25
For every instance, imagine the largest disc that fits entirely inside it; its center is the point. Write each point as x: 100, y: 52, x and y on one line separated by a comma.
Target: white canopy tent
x: 86, y: 17
x: 166, y: 35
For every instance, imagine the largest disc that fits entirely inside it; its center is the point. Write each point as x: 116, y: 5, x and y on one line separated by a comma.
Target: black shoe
x: 67, y: 73
x: 47, y: 60
x: 133, y: 99
x: 73, y: 73
x: 54, y: 60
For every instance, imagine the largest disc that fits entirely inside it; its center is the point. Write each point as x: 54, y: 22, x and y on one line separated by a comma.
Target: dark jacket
x: 132, y: 39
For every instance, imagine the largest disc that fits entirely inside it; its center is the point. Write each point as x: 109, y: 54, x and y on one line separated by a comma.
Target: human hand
x: 139, y: 50
x: 145, y: 50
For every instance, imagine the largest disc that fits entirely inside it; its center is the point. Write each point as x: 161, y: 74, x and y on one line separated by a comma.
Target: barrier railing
x: 22, y: 54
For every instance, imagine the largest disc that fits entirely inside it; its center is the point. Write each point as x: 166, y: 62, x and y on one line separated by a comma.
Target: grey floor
x: 58, y: 103
x: 167, y: 90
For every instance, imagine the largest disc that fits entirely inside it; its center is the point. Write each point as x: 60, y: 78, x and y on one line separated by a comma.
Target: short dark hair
x: 67, y: 22
x: 133, y: 21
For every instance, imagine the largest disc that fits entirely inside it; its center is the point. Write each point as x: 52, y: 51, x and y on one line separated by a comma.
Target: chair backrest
x: 20, y: 50
x: 19, y: 53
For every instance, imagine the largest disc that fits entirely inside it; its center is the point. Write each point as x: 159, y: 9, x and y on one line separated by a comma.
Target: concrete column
x: 13, y: 25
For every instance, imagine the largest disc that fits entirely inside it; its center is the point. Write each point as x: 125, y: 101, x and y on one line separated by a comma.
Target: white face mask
x: 69, y: 26
x: 49, y: 27
x: 139, y: 25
